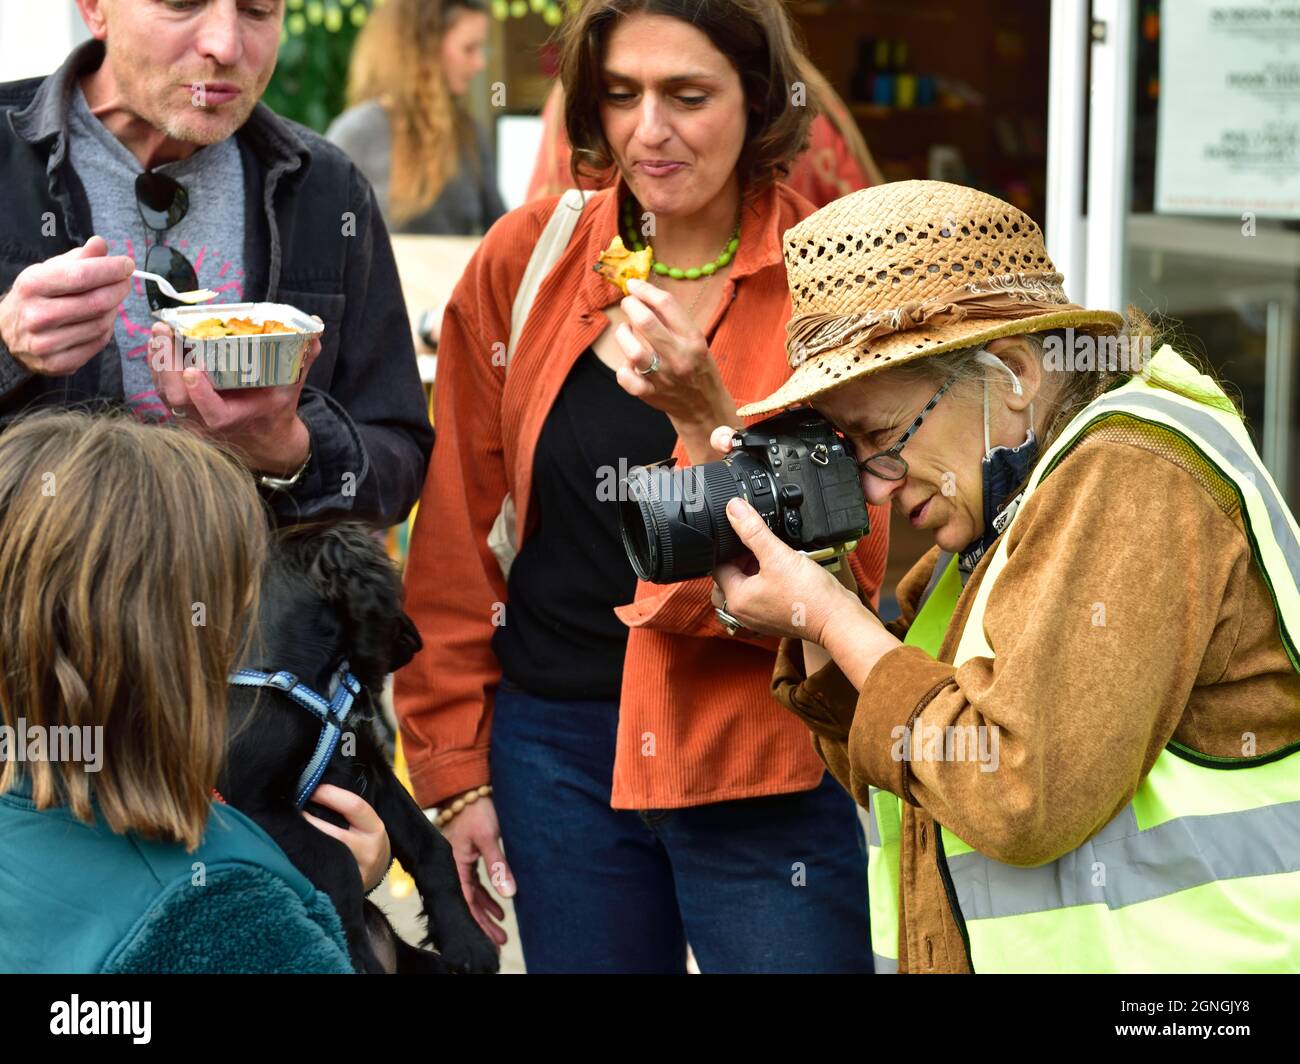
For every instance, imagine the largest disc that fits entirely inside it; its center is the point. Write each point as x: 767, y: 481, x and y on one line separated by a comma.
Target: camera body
x: 795, y: 469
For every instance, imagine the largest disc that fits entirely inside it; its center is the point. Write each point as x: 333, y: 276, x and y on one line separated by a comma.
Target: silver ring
x: 730, y: 623
x: 653, y: 367
x: 179, y: 415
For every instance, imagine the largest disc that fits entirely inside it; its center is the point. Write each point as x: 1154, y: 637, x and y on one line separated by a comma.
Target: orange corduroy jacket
x: 697, y: 721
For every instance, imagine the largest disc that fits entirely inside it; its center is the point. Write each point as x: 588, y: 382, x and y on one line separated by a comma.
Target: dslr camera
x: 795, y: 469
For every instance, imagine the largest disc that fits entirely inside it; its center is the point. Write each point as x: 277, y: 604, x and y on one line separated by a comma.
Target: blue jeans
x: 771, y: 884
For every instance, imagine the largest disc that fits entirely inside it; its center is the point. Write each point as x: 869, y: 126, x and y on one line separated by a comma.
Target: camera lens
x: 793, y: 468
x: 674, y: 521
x: 636, y: 518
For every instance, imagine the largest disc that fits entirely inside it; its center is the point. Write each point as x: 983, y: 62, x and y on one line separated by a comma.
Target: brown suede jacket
x: 1129, y: 613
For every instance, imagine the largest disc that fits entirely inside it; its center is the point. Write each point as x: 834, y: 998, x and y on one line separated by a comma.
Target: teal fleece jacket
x: 79, y: 898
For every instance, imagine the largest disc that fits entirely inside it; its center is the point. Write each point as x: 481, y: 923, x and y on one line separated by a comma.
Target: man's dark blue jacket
x: 314, y: 239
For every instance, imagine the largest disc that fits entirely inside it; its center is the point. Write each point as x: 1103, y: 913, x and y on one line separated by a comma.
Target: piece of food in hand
x: 216, y: 329
x: 618, y: 265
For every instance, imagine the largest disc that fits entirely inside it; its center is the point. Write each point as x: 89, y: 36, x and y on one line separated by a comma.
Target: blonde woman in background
x: 406, y: 129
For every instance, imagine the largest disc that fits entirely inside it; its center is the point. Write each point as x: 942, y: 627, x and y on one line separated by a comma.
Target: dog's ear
x: 352, y: 572
x: 406, y: 642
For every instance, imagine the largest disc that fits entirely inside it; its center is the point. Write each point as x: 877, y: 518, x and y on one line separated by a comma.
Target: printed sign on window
x: 1229, y: 123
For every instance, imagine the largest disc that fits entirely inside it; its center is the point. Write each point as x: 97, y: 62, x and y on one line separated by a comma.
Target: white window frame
x: 1095, y: 116
x: 1067, y: 124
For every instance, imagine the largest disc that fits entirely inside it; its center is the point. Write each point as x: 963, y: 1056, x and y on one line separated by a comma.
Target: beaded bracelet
x: 468, y: 798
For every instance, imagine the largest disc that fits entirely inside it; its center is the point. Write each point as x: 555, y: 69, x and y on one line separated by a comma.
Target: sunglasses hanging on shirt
x: 163, y: 202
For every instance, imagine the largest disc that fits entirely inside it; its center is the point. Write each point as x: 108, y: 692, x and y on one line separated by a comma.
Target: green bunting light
x: 552, y: 11
x: 333, y: 15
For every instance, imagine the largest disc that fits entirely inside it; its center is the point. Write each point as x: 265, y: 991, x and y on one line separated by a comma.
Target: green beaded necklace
x: 694, y: 273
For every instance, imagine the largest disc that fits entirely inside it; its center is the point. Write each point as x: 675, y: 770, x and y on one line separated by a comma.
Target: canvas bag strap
x: 503, y: 539
x: 550, y: 246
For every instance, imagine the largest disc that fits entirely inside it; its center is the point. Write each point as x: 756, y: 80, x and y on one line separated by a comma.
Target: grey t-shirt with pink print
x: 211, y: 235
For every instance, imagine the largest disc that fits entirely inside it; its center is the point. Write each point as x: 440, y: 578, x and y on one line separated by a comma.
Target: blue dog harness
x: 333, y: 714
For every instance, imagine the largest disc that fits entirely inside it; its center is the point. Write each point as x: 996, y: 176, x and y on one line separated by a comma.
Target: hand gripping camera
x: 795, y: 469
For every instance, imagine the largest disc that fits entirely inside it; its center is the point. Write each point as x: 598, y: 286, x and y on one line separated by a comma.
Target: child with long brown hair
x: 130, y: 560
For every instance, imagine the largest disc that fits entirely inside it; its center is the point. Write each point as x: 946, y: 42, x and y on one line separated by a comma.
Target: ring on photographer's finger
x: 730, y: 623
x: 653, y: 367
x: 179, y: 415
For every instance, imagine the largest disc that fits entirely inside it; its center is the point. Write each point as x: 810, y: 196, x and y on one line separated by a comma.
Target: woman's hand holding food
x: 261, y: 423
x: 685, y: 383
x: 779, y: 591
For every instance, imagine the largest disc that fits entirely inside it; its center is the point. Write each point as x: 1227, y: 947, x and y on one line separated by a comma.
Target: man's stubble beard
x: 205, y: 134
x: 174, y: 124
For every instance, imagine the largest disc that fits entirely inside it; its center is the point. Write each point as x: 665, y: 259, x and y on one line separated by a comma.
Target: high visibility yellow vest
x: 1201, y: 871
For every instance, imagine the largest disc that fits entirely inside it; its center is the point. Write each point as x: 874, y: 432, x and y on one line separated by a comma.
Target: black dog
x: 330, y: 595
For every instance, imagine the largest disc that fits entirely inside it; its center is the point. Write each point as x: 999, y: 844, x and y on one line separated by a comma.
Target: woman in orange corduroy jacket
x: 648, y: 790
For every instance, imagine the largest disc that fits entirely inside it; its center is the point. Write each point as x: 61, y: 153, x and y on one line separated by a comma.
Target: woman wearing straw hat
x: 1108, y: 621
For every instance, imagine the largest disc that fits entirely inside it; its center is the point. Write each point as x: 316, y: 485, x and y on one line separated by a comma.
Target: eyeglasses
x: 163, y: 202
x: 890, y: 464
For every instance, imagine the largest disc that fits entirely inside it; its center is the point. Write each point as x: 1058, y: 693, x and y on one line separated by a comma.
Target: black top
x: 561, y: 638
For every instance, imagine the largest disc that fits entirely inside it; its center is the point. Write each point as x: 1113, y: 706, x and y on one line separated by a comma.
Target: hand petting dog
x: 365, y: 835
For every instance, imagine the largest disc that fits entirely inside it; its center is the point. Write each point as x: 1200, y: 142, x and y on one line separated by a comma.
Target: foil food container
x: 243, y: 361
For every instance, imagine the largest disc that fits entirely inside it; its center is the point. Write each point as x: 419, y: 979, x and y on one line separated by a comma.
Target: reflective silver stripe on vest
x: 1242, y: 461
x: 885, y: 965
x: 1135, y: 866
x: 940, y: 567
x: 873, y: 825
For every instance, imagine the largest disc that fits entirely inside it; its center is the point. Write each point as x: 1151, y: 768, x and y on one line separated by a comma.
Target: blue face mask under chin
x: 1003, y: 470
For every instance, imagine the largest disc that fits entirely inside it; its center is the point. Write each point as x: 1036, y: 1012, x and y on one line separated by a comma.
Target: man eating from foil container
x: 149, y: 148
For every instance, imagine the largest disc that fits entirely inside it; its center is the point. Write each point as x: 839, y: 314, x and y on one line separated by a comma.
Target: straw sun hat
x: 911, y: 269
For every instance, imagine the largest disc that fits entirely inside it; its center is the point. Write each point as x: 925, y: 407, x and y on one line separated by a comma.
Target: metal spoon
x: 199, y: 295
